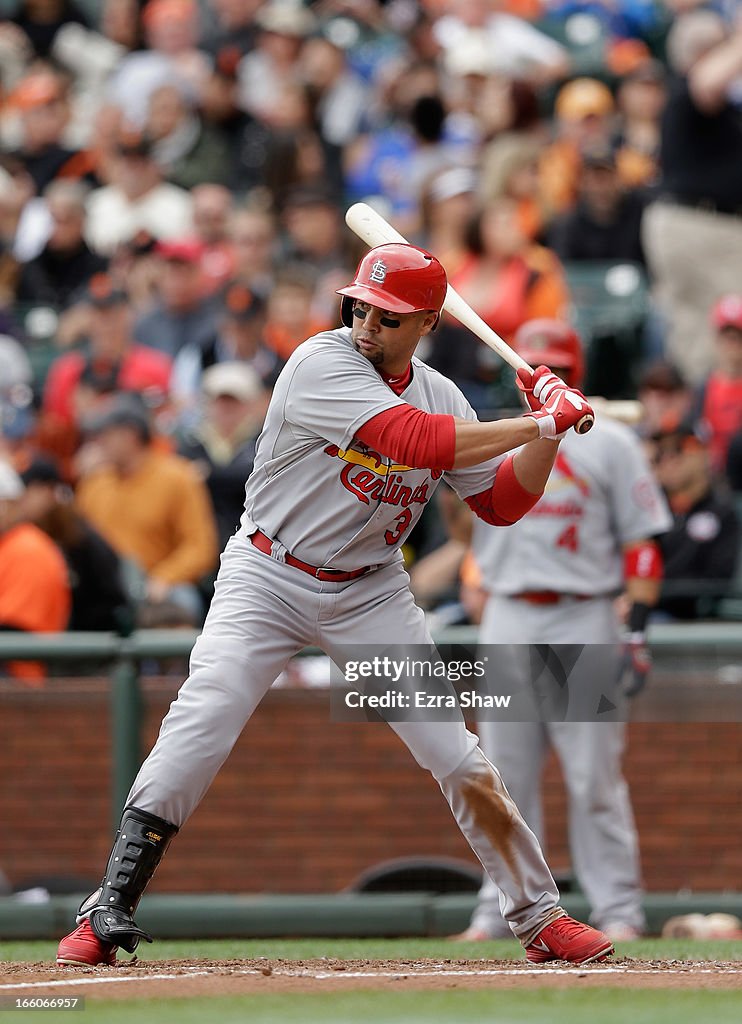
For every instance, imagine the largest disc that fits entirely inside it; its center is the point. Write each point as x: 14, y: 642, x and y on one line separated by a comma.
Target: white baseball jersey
x: 600, y: 495
x: 322, y: 494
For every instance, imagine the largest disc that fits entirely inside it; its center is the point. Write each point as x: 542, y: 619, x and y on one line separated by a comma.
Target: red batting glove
x: 537, y: 385
x: 563, y: 409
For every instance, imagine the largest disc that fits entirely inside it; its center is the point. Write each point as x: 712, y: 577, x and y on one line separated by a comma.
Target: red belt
x: 548, y: 596
x: 265, y: 544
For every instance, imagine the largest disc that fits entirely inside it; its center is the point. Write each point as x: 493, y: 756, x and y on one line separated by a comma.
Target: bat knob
x: 583, y: 425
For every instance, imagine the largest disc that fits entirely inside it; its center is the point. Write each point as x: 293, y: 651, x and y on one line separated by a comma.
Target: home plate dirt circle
x: 145, y: 979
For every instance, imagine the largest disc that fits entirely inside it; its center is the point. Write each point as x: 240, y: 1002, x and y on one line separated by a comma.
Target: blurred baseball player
x: 356, y: 438
x: 552, y: 578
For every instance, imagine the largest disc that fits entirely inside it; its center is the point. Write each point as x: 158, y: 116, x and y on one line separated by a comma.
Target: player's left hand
x: 636, y: 662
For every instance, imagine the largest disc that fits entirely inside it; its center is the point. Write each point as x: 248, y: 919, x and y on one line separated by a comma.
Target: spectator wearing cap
x: 719, y: 398
x: 43, y: 113
x: 99, y: 600
x: 664, y: 397
x: 584, y: 113
x: 188, y: 150
x: 700, y: 551
x: 605, y: 224
x: 34, y: 588
x: 137, y: 199
x: 181, y: 315
x: 110, y: 361
x: 59, y: 274
x: 152, y: 508
x: 239, y: 338
x: 222, y: 445
x: 692, y: 231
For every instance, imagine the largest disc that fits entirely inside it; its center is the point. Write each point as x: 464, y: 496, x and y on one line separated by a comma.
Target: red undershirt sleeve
x: 506, y: 501
x: 421, y: 440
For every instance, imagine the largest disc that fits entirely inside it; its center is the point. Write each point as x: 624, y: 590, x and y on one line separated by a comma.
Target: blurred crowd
x: 173, y: 179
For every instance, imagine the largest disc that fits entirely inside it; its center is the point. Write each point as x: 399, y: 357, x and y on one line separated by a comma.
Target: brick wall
x: 305, y: 805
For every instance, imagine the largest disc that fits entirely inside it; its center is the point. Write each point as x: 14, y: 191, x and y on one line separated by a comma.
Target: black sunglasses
x: 385, y: 321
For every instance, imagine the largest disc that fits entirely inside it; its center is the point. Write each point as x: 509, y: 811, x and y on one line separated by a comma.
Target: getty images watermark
x: 427, y: 694
x: 525, y: 683
x: 518, y: 682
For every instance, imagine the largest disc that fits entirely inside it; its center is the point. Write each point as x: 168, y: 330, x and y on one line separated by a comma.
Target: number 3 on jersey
x: 569, y: 538
x: 403, y: 520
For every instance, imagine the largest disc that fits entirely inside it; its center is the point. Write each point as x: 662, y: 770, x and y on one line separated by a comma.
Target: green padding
x: 219, y: 915
x: 25, y: 920
x: 265, y: 916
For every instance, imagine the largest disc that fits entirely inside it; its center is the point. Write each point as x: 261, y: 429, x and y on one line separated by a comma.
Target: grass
x: 454, y: 1005
x: 537, y: 1006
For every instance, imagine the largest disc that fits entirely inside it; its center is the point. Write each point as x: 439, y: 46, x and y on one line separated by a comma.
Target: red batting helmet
x: 397, y: 277
x: 553, y: 343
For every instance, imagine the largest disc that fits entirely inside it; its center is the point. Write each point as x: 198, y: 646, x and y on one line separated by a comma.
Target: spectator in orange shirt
x: 508, y: 279
x: 34, y: 588
x: 154, y: 510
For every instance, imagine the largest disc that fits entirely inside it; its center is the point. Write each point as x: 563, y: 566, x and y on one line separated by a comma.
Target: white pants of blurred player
x: 602, y: 834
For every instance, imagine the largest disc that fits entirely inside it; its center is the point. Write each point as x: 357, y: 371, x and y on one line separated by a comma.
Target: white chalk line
x: 406, y: 975
x: 104, y: 981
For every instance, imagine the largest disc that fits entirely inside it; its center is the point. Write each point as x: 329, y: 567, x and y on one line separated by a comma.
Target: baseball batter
x: 552, y: 578
x: 357, y: 436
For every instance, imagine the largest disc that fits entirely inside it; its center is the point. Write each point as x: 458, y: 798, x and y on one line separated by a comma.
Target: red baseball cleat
x: 84, y: 947
x: 567, y: 939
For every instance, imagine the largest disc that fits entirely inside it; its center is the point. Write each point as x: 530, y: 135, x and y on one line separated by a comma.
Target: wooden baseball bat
x: 375, y: 230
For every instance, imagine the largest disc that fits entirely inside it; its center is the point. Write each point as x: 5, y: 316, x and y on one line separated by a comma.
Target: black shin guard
x: 139, y: 847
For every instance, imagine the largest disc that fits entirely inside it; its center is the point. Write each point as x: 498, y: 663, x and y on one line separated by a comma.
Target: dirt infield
x: 193, y: 978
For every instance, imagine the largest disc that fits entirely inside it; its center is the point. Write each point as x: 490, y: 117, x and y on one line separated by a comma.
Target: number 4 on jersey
x: 569, y: 538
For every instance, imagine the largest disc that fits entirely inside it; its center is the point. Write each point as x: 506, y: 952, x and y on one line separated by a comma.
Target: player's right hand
x: 562, y: 410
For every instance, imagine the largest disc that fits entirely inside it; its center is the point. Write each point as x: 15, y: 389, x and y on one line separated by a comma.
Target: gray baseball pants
x: 264, y: 612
